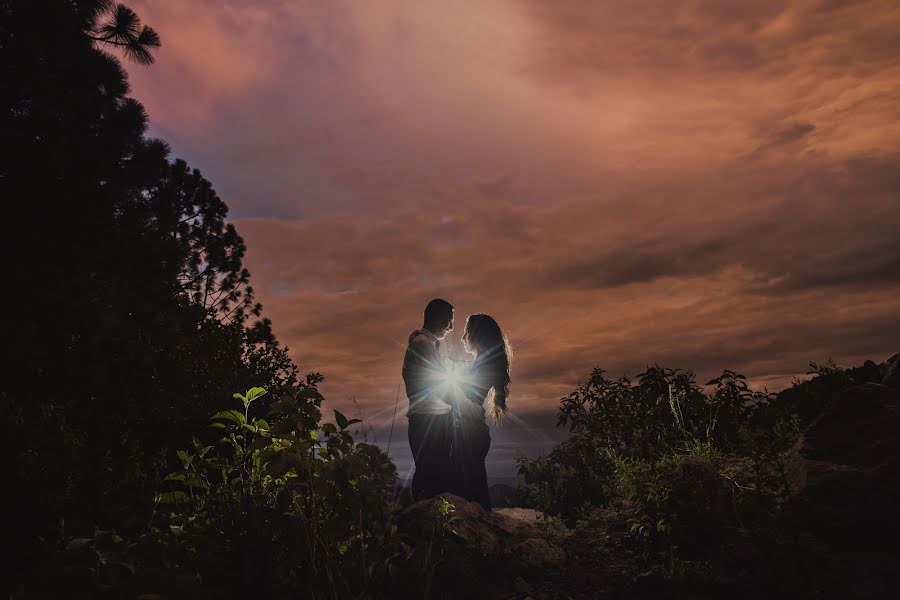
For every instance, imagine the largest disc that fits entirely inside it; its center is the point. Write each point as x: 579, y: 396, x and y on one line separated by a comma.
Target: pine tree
x: 127, y: 305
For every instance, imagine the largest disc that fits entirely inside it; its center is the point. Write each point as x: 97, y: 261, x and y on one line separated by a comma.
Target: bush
x: 568, y: 481
x: 270, y: 507
x: 633, y: 442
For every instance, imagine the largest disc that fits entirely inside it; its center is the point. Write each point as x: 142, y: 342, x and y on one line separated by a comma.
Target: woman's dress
x: 471, y: 436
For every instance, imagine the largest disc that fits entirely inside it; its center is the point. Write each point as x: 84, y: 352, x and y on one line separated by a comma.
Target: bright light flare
x: 452, y: 374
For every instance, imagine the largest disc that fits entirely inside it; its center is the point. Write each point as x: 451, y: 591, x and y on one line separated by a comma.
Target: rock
x: 844, y: 471
x: 485, y: 542
x: 527, y: 515
x: 537, y: 553
x: 844, y: 475
x: 606, y: 519
x: 891, y: 370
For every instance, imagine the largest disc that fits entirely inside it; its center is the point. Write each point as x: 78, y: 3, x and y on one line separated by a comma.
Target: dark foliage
x: 131, y: 322
x: 683, y: 462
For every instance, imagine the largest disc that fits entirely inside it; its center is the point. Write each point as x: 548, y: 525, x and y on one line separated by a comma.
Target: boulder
x: 891, y: 371
x: 528, y: 515
x: 476, y: 541
x: 844, y: 471
x: 609, y: 521
x: 844, y: 475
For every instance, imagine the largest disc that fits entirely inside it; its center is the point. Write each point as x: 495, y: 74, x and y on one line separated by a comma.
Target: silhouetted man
x: 428, y: 414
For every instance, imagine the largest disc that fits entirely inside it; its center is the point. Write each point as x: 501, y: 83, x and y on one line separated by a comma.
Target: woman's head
x: 484, y: 338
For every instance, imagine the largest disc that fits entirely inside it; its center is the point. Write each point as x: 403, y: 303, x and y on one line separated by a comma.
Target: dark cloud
x: 792, y: 133
x: 784, y: 136
x: 833, y: 226
x: 642, y: 262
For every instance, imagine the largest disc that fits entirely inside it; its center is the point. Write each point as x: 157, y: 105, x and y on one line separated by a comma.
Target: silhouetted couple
x: 448, y: 432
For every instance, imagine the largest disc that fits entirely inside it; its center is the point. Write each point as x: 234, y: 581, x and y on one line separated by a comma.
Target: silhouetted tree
x: 118, y: 25
x: 126, y: 301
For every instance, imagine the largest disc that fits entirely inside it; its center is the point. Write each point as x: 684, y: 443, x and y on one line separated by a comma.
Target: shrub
x: 262, y: 506
x: 568, y: 481
x: 637, y: 420
x: 632, y: 441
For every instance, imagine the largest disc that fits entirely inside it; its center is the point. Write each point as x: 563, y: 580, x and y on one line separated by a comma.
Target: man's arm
x: 423, y: 371
x: 421, y: 366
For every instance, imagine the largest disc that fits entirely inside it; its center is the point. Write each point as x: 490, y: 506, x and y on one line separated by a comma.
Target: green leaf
x: 261, y: 424
x: 341, y: 420
x: 342, y: 550
x: 234, y: 416
x: 196, y: 482
x: 353, y: 422
x: 313, y: 436
x: 239, y: 397
x: 254, y: 393
x: 177, y: 497
x: 260, y: 443
x: 186, y: 459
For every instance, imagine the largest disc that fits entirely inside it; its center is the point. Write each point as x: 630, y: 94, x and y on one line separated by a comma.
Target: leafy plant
x: 632, y: 441
x: 442, y: 528
x: 646, y: 487
x: 288, y: 497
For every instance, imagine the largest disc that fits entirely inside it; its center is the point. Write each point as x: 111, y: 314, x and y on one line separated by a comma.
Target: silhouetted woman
x: 485, y: 385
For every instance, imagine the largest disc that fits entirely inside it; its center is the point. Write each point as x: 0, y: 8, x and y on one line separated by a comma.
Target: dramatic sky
x: 700, y: 184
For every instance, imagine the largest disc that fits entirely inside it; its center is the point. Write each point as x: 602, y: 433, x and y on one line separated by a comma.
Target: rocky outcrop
x: 527, y: 515
x: 476, y: 542
x: 844, y: 475
x: 891, y: 371
x: 845, y: 470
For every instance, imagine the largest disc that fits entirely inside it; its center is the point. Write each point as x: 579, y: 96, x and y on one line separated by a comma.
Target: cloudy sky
x: 698, y: 184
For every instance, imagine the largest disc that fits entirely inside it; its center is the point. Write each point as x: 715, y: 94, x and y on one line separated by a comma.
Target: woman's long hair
x: 495, y: 354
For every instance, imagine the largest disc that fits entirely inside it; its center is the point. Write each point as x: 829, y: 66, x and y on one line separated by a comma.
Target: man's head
x: 439, y: 317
